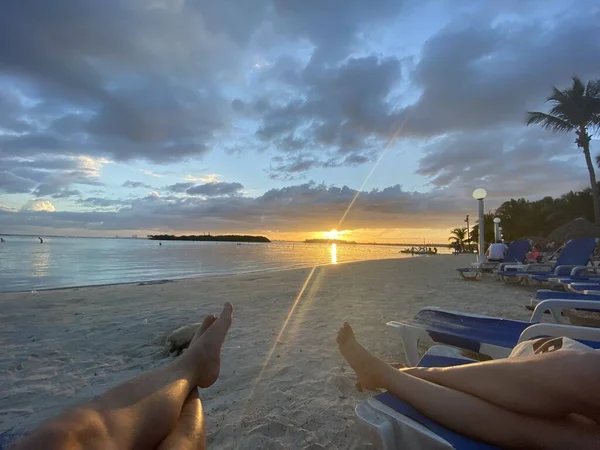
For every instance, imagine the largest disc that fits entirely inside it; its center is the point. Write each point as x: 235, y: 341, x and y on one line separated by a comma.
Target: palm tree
x: 575, y: 109
x: 458, y: 236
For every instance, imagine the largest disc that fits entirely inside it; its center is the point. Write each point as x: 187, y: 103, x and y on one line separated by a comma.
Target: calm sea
x: 26, y: 265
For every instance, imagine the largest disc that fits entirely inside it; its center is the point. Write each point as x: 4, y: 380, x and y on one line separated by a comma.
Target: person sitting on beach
x: 545, y: 401
x: 535, y: 255
x: 496, y: 252
x: 160, y: 409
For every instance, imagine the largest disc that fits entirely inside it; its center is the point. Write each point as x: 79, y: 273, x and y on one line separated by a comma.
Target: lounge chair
x: 576, y: 253
x: 390, y: 423
x: 580, y: 287
x: 588, y: 274
x: 492, y: 336
x: 514, y: 255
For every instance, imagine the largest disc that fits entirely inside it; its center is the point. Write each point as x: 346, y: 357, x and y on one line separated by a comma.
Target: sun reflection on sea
x: 333, y: 253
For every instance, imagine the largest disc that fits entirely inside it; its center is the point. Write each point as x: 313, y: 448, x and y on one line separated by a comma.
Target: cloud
x: 48, y: 175
x: 13, y: 184
x: 38, y: 205
x: 209, y: 178
x: 335, y: 116
x: 136, y: 185
x: 216, y: 189
x: 179, y: 187
x: 65, y: 193
x: 100, y: 202
x: 7, y: 209
x: 482, y: 73
x: 304, y: 207
x: 150, y: 174
x: 508, y: 163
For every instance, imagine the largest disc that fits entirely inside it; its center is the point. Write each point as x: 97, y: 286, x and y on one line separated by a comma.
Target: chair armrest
x: 564, y: 270
x: 557, y: 330
x: 556, y: 306
x: 585, y: 270
x: 502, y: 265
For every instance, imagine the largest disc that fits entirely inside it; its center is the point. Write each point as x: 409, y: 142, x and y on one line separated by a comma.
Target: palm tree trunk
x: 594, y: 185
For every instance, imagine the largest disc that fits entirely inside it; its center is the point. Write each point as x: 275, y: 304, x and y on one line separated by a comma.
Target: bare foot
x: 365, y: 364
x: 204, y: 353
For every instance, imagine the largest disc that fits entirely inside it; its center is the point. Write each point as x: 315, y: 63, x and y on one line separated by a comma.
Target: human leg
x: 190, y: 431
x: 141, y: 412
x: 466, y: 413
x: 523, y: 384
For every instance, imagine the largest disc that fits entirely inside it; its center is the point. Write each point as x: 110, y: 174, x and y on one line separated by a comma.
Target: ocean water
x: 27, y: 265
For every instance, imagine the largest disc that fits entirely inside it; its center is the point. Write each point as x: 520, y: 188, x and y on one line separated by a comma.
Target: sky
x: 283, y: 118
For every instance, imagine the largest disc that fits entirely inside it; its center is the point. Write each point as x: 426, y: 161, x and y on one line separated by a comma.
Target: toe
x: 207, y: 322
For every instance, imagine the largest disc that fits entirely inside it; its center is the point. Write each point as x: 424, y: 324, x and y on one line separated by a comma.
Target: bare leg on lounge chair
x: 142, y: 412
x: 546, y: 385
x: 477, y: 416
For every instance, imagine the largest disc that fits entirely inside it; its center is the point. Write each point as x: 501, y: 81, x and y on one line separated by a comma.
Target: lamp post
x: 496, y: 229
x: 479, y: 195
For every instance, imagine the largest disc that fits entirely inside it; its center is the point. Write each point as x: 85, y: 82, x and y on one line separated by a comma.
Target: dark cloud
x: 65, y: 193
x: 332, y: 26
x: 13, y: 184
x: 508, y: 163
x: 339, y: 116
x: 101, y: 202
x: 136, y: 185
x: 107, y: 80
x: 216, y: 189
x: 179, y: 187
x: 477, y: 74
x: 48, y: 175
x: 304, y: 207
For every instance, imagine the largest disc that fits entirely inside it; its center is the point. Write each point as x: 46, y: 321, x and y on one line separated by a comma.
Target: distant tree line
x: 521, y: 218
x: 209, y: 238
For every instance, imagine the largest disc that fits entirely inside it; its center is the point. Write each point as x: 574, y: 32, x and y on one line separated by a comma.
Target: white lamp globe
x: 496, y: 219
x: 479, y: 194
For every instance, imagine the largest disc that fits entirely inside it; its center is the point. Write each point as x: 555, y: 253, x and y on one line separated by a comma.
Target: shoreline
x: 193, y: 277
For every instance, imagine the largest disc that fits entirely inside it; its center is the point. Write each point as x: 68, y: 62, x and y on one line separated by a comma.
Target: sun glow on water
x: 333, y: 253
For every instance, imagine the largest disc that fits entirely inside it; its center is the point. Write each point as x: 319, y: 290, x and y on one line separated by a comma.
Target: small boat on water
x: 420, y: 251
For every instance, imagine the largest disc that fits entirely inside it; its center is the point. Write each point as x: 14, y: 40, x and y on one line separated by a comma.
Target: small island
x: 209, y: 238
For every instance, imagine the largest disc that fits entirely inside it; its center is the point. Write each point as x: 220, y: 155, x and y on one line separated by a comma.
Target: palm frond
x: 549, y: 122
x: 578, y: 88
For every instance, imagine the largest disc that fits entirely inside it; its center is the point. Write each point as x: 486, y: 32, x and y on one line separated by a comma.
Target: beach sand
x: 288, y: 390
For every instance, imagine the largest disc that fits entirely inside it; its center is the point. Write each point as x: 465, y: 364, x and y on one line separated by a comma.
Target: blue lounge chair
x: 588, y: 274
x: 514, y: 255
x: 576, y: 253
x: 491, y: 336
x: 545, y: 294
x: 579, y: 287
x: 390, y: 423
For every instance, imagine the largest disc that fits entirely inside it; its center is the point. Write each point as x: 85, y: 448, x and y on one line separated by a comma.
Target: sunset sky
x: 122, y: 117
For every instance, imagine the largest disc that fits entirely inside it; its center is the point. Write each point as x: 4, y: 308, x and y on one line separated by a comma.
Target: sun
x: 333, y: 234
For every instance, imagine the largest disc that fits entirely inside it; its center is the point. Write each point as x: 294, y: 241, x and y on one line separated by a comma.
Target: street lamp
x: 479, y: 195
x: 496, y: 229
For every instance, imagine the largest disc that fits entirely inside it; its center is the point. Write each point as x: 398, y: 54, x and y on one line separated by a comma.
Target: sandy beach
x: 277, y: 389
